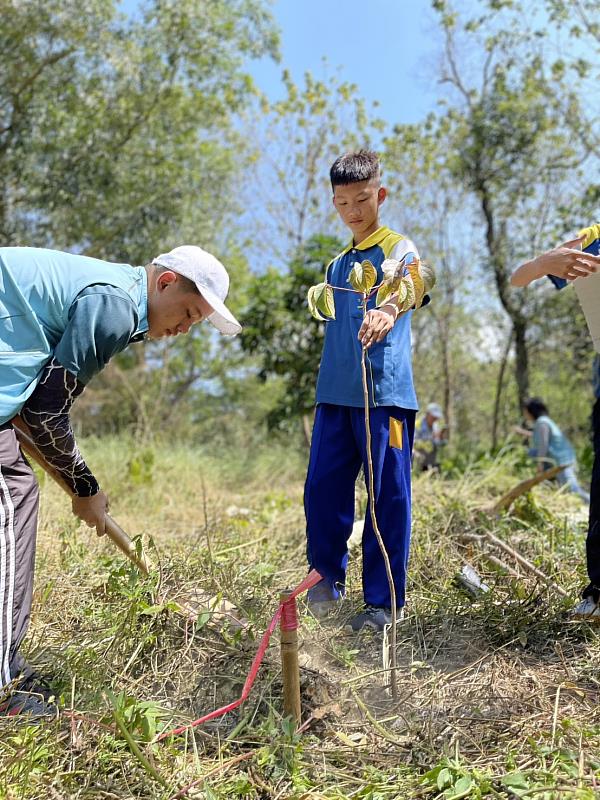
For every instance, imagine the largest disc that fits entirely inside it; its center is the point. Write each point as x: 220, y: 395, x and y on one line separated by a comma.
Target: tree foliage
x: 510, y: 146
x: 297, y: 140
x: 115, y: 132
x: 279, y: 329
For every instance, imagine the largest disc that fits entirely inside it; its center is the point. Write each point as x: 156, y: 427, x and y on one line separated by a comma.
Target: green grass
x: 498, y: 697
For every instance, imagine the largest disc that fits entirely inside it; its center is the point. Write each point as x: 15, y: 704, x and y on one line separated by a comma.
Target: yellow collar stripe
x: 591, y: 234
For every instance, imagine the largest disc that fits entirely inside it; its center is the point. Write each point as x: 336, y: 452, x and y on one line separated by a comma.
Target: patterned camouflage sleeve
x: 46, y: 414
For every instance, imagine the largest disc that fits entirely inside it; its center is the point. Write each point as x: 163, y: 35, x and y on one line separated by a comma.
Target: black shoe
x: 323, y: 599
x: 35, y: 684
x: 23, y: 703
x: 374, y: 618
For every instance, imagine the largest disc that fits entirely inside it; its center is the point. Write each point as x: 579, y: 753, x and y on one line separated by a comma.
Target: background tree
x: 118, y: 139
x: 297, y: 140
x: 280, y: 331
x: 511, y: 149
x: 427, y: 206
x: 116, y: 133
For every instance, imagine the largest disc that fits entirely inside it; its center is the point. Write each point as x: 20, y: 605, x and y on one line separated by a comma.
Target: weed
x: 498, y: 696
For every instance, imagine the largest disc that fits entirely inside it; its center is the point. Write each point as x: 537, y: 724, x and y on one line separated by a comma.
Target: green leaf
x: 385, y: 291
x: 444, y: 778
x: 402, y: 295
x: 202, y: 620
x: 460, y: 789
x: 325, y: 301
x: 152, y: 611
x: 515, y: 780
x: 418, y: 282
x: 321, y: 302
x: 462, y: 784
x: 431, y: 776
x: 428, y: 275
x: 312, y: 302
x: 363, y: 276
x: 407, y: 294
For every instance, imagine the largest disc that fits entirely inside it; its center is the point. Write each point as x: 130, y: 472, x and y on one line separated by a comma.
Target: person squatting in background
x: 550, y: 447
x: 430, y: 435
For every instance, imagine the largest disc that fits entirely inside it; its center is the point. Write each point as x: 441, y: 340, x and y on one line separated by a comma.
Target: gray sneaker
x: 586, y: 609
x: 323, y: 599
x: 26, y: 704
x: 374, y: 618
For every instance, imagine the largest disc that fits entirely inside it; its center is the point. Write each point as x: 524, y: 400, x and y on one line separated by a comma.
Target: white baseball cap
x: 435, y: 410
x: 211, y: 279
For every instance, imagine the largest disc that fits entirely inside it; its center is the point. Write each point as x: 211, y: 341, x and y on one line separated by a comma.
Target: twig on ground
x: 505, y: 502
x: 383, y: 732
x: 487, y: 537
x: 221, y: 768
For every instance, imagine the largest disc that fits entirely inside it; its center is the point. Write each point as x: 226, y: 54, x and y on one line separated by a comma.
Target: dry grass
x: 498, y: 697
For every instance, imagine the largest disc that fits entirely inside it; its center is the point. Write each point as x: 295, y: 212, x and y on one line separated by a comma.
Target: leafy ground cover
x: 498, y: 695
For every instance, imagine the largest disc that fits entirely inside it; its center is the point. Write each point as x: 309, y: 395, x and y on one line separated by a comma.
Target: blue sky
x: 387, y: 47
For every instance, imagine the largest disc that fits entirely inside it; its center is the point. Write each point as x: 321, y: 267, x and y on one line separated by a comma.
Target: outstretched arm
x: 566, y: 261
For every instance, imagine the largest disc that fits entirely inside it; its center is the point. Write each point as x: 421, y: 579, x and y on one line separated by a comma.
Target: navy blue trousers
x: 338, y: 450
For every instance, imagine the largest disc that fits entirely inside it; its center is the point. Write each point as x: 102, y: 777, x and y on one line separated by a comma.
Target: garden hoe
x: 219, y: 608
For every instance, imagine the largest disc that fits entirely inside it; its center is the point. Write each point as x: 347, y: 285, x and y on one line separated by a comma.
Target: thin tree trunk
x: 447, y: 369
x: 496, y: 239
x: 521, y: 360
x: 444, y: 324
x: 5, y: 233
x: 499, y: 385
x: 307, y: 428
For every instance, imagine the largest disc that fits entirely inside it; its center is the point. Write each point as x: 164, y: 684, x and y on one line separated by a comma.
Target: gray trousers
x: 18, y: 527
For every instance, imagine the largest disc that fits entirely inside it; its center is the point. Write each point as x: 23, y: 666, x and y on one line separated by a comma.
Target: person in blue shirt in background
x: 577, y: 259
x: 430, y: 435
x: 550, y: 446
x: 62, y: 318
x: 338, y: 447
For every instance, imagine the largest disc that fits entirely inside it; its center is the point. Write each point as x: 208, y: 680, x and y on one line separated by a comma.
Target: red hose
x: 287, y: 612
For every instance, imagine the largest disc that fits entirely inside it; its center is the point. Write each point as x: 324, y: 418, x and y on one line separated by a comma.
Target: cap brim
x: 221, y: 318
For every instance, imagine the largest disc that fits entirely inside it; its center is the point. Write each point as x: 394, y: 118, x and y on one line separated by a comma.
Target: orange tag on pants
x: 396, y: 426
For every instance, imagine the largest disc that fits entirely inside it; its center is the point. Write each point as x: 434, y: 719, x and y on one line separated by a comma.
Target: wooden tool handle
x: 114, y: 531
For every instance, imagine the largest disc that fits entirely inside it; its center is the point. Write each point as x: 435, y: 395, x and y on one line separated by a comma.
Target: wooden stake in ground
x: 290, y: 668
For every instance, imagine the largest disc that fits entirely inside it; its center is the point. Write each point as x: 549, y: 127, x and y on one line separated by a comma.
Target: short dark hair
x: 536, y: 407
x: 186, y: 284
x: 360, y: 165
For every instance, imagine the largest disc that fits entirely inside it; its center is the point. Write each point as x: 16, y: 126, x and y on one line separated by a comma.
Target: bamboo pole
x: 290, y: 668
x: 509, y: 498
x: 114, y: 531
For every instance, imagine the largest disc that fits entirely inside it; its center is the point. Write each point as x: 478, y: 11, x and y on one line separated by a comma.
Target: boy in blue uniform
x: 577, y: 259
x: 338, y: 448
x: 62, y: 318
